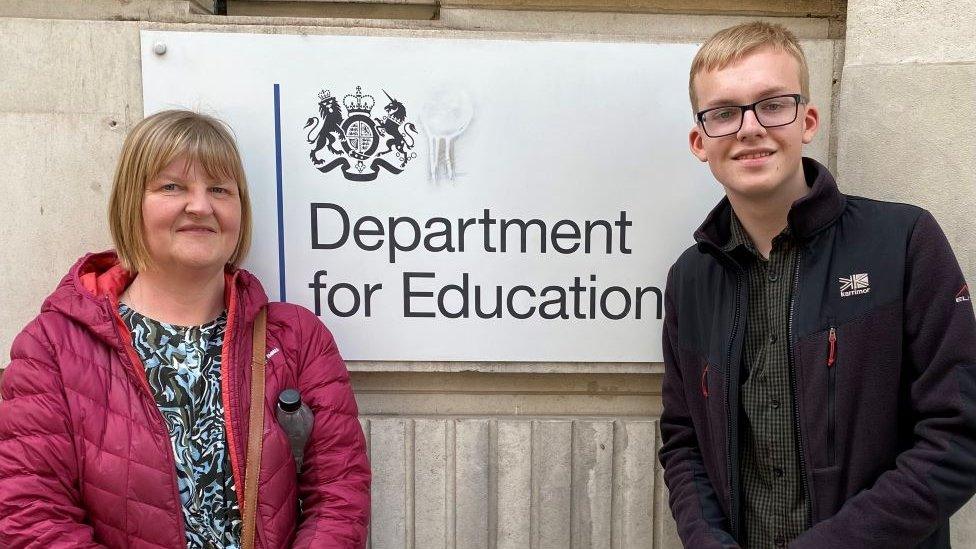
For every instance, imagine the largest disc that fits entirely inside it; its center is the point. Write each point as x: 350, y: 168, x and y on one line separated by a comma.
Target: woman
x: 125, y: 412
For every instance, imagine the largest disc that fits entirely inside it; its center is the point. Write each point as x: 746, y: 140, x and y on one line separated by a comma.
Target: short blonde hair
x: 730, y: 45
x: 151, y: 145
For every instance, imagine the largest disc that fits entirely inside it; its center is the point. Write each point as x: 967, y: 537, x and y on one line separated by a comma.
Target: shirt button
x: 772, y: 338
x: 780, y: 541
x: 772, y: 276
x: 774, y: 403
x: 778, y: 472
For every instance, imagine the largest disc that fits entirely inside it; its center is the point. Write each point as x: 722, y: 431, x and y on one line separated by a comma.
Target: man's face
x: 756, y: 162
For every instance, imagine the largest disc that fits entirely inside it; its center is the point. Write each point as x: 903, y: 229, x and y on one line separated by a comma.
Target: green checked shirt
x: 774, y: 506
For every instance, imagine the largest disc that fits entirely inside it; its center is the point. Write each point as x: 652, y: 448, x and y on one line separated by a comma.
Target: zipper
x: 731, y: 415
x: 805, y: 482
x: 129, y: 354
x: 831, y: 384
x: 704, y: 381
x: 732, y: 443
x: 234, y: 338
x: 832, y: 351
x: 225, y: 391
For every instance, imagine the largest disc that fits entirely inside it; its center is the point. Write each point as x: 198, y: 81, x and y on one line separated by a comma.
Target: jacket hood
x: 89, y: 293
x: 808, y: 215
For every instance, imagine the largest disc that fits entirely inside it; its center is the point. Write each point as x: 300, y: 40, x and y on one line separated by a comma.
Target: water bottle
x: 295, y: 418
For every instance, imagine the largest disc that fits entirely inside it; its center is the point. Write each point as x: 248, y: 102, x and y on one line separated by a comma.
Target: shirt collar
x: 808, y: 215
x: 737, y: 236
x: 740, y: 239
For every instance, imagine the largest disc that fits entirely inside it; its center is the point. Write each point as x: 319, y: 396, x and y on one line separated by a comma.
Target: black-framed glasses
x: 770, y: 112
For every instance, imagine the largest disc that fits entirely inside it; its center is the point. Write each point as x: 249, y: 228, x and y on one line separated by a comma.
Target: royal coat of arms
x: 357, y: 139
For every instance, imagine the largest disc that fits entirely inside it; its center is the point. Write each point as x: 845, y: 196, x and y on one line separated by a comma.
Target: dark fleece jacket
x: 885, y: 409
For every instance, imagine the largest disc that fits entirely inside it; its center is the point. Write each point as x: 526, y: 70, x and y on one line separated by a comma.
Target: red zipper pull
x: 832, y: 357
x: 704, y: 381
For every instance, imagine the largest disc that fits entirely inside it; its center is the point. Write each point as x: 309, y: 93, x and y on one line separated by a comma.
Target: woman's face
x: 190, y: 221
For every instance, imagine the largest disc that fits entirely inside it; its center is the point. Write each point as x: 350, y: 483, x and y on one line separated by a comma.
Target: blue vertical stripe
x: 281, y: 217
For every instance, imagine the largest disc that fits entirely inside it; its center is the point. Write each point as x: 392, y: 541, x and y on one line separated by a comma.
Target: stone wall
x: 483, y: 454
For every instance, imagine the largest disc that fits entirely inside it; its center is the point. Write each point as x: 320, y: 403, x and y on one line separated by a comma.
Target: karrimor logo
x: 857, y: 284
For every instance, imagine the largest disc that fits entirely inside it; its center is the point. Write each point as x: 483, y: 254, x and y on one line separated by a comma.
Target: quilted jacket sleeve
x: 933, y: 478
x: 39, y: 498
x: 694, y: 503
x: 334, y: 485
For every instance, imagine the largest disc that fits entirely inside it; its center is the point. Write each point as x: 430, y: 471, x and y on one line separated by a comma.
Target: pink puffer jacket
x: 85, y: 456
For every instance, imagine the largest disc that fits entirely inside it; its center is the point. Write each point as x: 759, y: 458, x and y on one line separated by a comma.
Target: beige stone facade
x: 520, y: 455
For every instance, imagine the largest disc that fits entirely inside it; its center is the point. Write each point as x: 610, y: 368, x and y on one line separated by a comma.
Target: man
x: 820, y: 349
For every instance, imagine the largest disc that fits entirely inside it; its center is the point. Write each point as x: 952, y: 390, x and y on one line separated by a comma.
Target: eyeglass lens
x: 772, y: 112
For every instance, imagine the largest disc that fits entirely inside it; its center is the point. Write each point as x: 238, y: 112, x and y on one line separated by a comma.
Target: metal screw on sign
x: 159, y: 48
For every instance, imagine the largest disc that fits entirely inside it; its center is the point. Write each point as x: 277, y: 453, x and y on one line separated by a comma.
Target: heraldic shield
x: 356, y: 140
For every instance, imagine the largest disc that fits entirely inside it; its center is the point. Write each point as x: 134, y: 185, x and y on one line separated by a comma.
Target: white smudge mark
x: 444, y: 116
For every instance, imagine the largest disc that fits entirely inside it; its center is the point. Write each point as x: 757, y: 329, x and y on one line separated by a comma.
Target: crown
x: 325, y: 94
x: 358, y: 102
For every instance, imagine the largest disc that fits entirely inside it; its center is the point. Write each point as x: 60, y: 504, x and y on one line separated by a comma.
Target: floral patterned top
x: 183, y: 369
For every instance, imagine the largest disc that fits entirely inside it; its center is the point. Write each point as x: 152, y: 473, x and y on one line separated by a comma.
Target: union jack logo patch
x: 856, y: 284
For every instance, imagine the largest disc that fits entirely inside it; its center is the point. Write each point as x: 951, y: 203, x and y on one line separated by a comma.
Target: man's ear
x: 811, y: 123
x: 696, y: 143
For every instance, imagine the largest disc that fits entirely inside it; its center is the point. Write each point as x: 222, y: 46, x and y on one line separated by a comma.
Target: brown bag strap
x: 255, y: 433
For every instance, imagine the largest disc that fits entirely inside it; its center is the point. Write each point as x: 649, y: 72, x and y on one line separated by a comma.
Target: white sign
x: 451, y: 199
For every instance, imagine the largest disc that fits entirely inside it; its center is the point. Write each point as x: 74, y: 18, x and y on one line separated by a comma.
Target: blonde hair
x: 151, y: 145
x: 730, y: 45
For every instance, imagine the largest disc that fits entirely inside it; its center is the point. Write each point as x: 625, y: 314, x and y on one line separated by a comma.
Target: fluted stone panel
x: 536, y: 483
